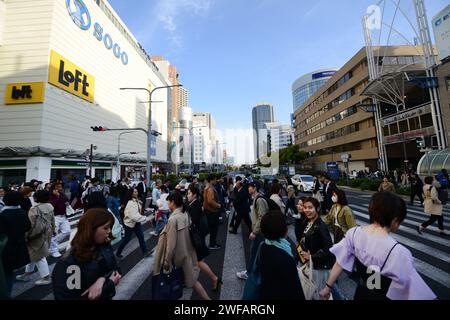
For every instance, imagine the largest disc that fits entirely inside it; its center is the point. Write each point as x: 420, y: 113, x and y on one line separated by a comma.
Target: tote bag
x: 305, y: 274
x: 252, y: 289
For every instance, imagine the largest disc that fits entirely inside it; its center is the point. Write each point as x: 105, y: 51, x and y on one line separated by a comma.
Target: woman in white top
x: 133, y: 223
x: 432, y: 206
x: 384, y: 267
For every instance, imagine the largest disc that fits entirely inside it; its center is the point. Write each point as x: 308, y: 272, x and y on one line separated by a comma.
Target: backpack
x: 443, y: 181
x: 270, y: 203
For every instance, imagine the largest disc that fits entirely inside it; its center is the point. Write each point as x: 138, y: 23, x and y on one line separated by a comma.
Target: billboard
x: 441, y: 28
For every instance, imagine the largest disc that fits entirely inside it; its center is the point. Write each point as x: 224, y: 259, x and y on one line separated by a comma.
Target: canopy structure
x: 393, y: 88
x: 433, y: 162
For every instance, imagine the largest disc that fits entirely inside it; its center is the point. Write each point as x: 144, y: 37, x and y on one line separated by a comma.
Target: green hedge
x: 371, y: 185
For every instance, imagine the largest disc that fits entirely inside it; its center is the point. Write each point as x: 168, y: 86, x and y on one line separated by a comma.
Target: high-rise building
x: 279, y: 136
x: 205, y: 142
x: 262, y: 113
x: 183, y: 97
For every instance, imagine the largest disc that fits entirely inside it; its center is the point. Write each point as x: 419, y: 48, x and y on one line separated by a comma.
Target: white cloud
x: 169, y: 13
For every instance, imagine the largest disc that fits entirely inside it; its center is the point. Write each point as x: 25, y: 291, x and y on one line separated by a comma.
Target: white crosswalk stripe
x: 409, y: 230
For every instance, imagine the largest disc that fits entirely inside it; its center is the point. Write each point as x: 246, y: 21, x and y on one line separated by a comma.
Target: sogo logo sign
x: 81, y: 17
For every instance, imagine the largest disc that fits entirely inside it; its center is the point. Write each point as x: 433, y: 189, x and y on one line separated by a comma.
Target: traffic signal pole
x: 90, y: 160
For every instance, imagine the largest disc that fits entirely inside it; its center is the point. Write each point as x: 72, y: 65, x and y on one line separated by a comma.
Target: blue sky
x: 232, y: 54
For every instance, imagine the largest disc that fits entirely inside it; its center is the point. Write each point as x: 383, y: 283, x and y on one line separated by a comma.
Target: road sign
x: 333, y: 170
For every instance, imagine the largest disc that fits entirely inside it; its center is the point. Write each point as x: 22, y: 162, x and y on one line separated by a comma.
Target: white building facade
x: 62, y: 64
x: 279, y: 136
x: 205, y: 141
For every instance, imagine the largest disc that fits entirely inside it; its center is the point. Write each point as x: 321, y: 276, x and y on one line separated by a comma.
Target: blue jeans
x: 337, y: 293
x: 254, y: 251
x: 137, y: 230
x: 160, y: 224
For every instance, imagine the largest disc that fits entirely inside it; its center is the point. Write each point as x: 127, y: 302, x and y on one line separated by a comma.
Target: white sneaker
x: 242, y: 275
x: 43, y: 282
x: 56, y: 254
x: 154, y: 233
x: 23, y: 277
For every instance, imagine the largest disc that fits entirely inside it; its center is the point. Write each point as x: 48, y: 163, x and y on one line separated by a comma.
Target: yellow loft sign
x: 67, y: 76
x: 22, y: 93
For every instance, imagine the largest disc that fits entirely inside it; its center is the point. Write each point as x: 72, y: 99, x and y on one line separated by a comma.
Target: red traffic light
x: 101, y: 129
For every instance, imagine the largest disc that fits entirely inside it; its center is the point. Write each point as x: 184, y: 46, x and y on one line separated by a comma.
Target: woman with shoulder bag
x: 340, y: 217
x: 133, y: 221
x: 432, y: 206
x: 39, y: 238
x: 316, y: 243
x: 175, y: 249
x: 370, y: 248
x: 200, y: 225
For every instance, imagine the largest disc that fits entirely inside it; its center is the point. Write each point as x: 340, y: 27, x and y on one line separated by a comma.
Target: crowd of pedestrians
x: 186, y: 219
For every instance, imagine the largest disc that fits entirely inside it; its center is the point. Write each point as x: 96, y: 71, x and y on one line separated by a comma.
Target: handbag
x: 168, y: 286
x: 69, y: 211
x: 305, y: 274
x: 252, y: 289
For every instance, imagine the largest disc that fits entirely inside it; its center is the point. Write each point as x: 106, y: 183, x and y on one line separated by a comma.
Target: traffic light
x: 420, y: 142
x: 102, y: 129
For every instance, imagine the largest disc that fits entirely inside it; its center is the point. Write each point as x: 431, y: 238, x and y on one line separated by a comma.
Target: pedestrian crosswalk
x: 431, y: 254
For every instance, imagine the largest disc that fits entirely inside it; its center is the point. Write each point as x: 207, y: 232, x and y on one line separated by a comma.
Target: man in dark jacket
x: 329, y: 188
x: 416, y: 188
x: 14, y: 223
x: 241, y: 207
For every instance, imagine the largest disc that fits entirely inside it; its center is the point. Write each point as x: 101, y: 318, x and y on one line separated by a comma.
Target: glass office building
x: 305, y: 86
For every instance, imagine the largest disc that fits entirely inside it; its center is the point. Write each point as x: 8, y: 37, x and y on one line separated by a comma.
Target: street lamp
x: 150, y: 132
x: 191, y: 137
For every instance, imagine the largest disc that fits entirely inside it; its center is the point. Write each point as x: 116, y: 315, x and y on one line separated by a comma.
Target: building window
x: 403, y: 125
x: 414, y: 123
x: 426, y: 120
x: 386, y: 131
x: 394, y: 128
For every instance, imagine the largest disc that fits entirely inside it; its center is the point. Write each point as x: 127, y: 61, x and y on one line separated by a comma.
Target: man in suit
x: 241, y: 206
x: 142, y: 189
x: 329, y: 188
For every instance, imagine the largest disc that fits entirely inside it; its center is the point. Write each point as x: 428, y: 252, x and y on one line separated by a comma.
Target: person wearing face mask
x: 340, y: 217
x: 373, y: 248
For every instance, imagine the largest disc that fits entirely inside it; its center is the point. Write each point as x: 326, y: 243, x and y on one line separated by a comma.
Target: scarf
x: 282, y: 244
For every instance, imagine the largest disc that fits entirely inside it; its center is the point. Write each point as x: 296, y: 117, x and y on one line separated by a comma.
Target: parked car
x: 304, y: 183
